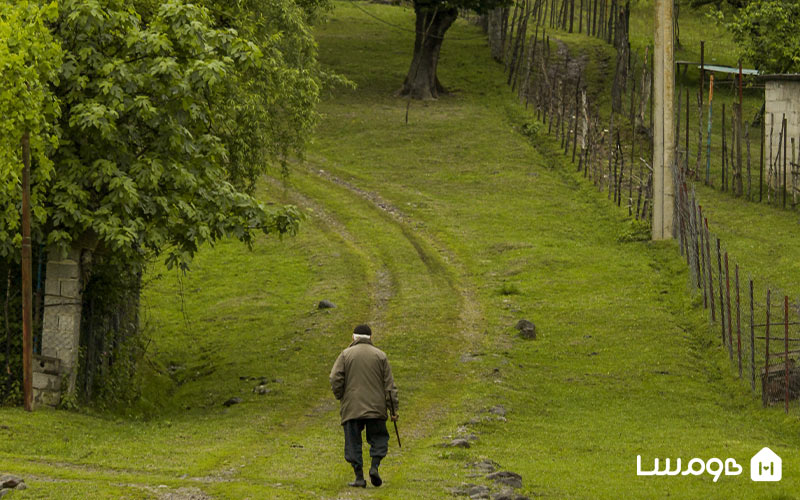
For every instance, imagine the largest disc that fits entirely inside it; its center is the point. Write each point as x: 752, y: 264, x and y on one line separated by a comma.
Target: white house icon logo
x: 765, y: 466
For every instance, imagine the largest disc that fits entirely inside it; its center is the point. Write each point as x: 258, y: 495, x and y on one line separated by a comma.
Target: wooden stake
x: 721, y: 294
x: 27, y: 279
x: 710, y: 275
x: 752, y: 341
x: 765, y: 378
x: 786, y: 350
x: 728, y: 304
x: 738, y: 322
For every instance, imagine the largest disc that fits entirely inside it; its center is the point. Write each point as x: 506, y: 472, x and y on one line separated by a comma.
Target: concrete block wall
x: 61, y: 328
x: 47, y: 380
x: 782, y: 98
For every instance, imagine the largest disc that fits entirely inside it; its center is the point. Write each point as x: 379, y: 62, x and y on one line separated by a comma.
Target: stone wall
x: 61, y: 329
x: 782, y: 98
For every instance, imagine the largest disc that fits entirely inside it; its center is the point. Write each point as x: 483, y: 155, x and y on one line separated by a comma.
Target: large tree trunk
x: 431, y: 25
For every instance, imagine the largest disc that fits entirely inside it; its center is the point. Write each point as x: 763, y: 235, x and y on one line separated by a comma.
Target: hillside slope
x: 441, y: 232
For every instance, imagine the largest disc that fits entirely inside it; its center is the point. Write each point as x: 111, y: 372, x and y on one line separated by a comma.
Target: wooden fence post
x: 752, y: 341
x: 702, y: 252
x: 728, y: 304
x: 738, y: 322
x: 765, y: 378
x: 710, y: 274
x: 721, y: 293
x: 786, y: 351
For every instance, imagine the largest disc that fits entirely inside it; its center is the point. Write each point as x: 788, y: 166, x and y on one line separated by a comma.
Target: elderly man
x: 362, y: 380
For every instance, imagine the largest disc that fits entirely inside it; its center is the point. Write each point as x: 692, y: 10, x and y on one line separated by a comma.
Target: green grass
x: 418, y: 228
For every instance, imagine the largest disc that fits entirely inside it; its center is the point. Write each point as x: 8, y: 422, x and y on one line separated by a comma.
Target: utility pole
x: 27, y: 288
x: 663, y: 121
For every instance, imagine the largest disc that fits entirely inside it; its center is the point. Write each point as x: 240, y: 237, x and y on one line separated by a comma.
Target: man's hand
x: 394, y: 418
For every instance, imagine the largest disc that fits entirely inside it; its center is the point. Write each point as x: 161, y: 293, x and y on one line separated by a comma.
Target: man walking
x: 362, y: 380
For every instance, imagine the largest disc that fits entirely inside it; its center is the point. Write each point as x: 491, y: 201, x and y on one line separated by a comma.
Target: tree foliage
x: 164, y: 114
x: 142, y: 162
x: 766, y: 32
x: 29, y: 62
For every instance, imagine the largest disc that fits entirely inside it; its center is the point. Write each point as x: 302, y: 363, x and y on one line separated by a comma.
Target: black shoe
x: 374, y: 477
x: 359, y: 481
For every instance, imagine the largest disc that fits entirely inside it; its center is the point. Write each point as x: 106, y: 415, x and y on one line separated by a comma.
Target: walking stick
x: 391, y: 403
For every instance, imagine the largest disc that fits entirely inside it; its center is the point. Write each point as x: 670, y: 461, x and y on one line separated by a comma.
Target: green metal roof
x: 721, y: 69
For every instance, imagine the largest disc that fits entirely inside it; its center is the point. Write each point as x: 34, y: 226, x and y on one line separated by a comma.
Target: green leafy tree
x: 276, y: 100
x: 29, y: 62
x: 766, y: 32
x: 433, y: 19
x: 153, y: 97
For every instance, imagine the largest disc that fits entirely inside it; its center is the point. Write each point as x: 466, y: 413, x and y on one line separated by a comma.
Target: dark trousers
x: 377, y: 437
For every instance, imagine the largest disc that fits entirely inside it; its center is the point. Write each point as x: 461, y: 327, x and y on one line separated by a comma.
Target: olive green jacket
x: 362, y: 379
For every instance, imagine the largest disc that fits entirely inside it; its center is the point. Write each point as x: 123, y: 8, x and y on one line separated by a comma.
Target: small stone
x: 508, y: 494
x: 261, y: 390
x: 526, y: 329
x: 326, y: 304
x: 507, y: 478
x: 462, y: 490
x: 9, y: 481
x: 473, y: 421
x: 232, y: 401
x: 458, y: 443
x: 486, y: 466
x: 523, y: 324
x: 4, y: 492
x: 498, y: 410
x: 478, y: 491
x: 21, y: 486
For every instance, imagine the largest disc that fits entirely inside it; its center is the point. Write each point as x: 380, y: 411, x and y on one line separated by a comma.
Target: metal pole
x: 27, y: 284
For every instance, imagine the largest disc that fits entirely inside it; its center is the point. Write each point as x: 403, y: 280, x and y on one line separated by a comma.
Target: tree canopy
x: 766, y: 32
x: 164, y: 114
x: 29, y: 61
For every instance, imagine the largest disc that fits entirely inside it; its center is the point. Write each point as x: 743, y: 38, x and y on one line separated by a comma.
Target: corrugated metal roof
x: 721, y: 69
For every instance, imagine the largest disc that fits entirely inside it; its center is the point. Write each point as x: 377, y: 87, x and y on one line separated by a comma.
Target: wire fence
x: 729, y: 143
x: 758, y: 325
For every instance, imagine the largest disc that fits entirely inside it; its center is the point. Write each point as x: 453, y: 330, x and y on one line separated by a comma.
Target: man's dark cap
x: 362, y: 330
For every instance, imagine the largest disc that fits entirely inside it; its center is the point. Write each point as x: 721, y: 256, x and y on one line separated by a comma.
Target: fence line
x: 518, y: 37
x: 760, y: 330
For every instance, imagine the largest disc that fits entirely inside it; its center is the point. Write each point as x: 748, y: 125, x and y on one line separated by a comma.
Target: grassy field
x: 441, y: 233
